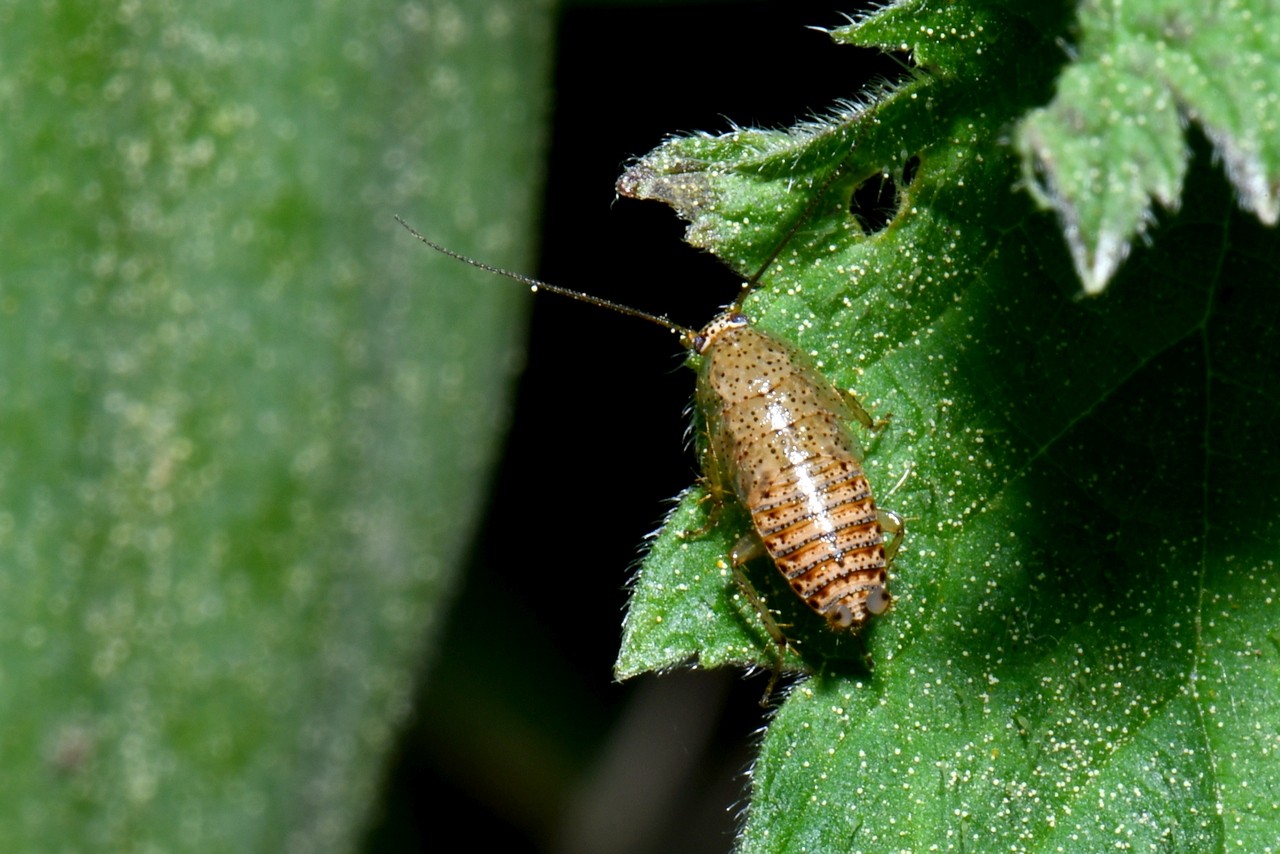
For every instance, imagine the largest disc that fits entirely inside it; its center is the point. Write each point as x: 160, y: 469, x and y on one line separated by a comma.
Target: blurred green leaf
x: 246, y: 419
x: 1085, y: 642
x: 1114, y: 137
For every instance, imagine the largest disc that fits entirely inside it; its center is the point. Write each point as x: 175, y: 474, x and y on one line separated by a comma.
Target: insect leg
x: 861, y: 415
x: 746, y: 549
x: 891, y: 522
x: 712, y: 480
x: 713, y: 517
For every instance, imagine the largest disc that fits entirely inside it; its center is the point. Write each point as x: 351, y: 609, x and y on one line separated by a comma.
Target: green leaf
x: 1113, y: 138
x: 1085, y: 641
x: 246, y: 419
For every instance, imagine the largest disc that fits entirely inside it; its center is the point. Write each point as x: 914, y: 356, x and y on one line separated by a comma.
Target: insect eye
x: 699, y: 342
x: 878, y: 600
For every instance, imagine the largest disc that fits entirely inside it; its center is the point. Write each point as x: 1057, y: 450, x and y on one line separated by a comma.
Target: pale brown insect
x: 778, y: 441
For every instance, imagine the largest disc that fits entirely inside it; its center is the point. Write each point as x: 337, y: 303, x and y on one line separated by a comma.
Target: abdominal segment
x: 819, y: 523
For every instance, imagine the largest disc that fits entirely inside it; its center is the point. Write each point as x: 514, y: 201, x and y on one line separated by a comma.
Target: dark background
x: 521, y: 737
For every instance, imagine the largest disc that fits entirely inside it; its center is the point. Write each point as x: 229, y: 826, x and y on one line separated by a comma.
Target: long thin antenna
x: 536, y: 285
x: 799, y: 223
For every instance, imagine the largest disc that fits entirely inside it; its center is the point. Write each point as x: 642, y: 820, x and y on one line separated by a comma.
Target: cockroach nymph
x: 779, y: 442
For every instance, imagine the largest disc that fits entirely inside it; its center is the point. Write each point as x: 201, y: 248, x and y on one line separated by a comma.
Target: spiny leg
x: 716, y: 493
x: 860, y: 413
x: 746, y: 549
x: 891, y: 522
x: 713, y: 516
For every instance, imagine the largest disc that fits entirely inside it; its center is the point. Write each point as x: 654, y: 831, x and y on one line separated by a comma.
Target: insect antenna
x: 537, y: 284
x: 817, y: 199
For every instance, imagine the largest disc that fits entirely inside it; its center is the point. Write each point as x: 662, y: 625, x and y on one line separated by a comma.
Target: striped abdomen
x: 779, y: 439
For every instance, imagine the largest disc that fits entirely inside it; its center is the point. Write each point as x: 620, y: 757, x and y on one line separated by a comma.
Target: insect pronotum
x: 780, y: 444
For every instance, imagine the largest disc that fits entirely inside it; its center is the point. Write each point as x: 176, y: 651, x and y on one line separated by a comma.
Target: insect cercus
x: 779, y: 442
